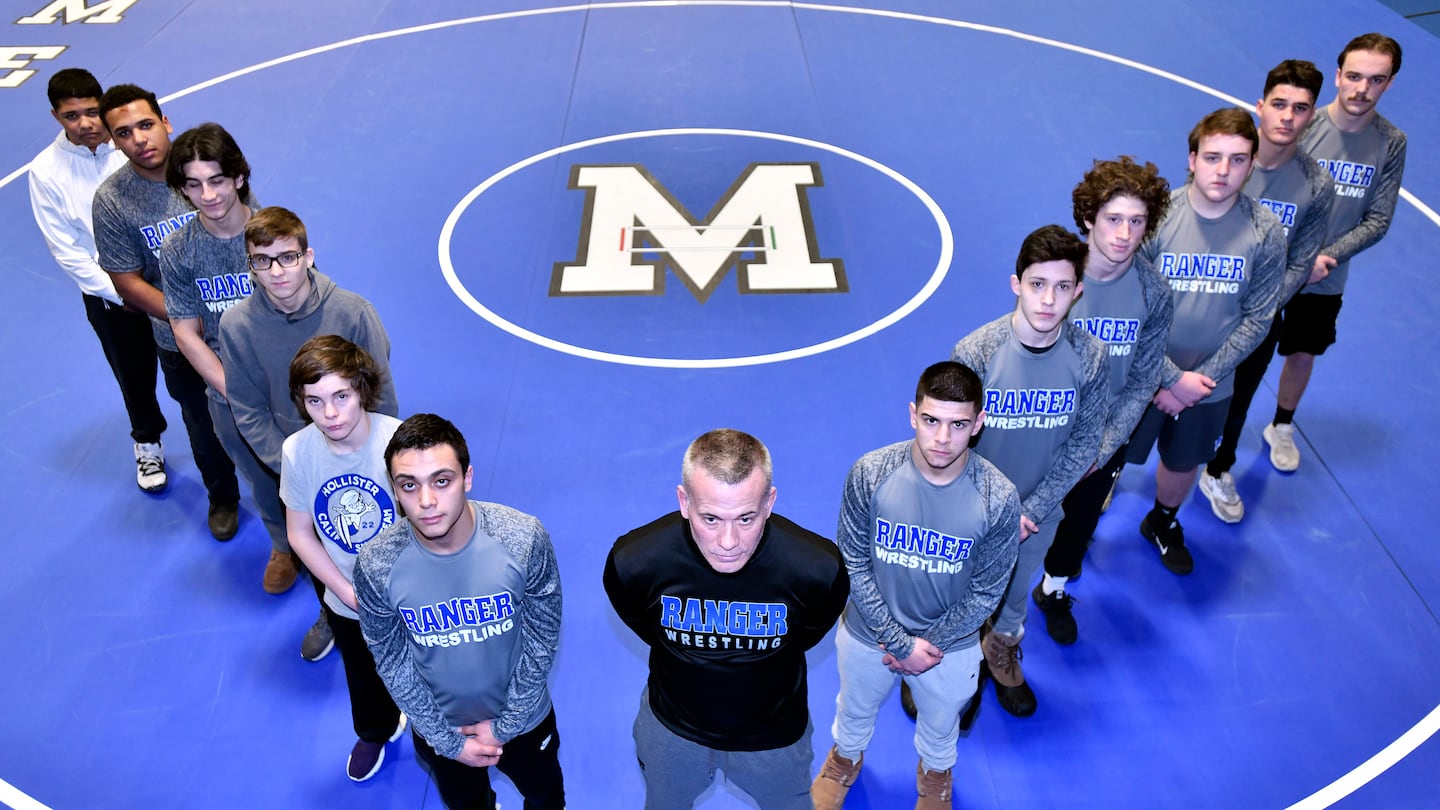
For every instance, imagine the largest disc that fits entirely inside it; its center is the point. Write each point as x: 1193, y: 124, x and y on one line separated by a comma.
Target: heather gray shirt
x: 1225, y: 277
x: 1044, y: 413
x: 348, y: 495
x: 132, y: 217
x: 924, y: 560
x: 1298, y: 193
x: 464, y: 637
x: 1365, y: 169
x: 204, y: 276
x: 1131, y: 315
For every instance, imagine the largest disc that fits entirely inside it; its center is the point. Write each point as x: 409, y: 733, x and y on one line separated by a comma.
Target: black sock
x: 1283, y: 416
x: 1163, y: 515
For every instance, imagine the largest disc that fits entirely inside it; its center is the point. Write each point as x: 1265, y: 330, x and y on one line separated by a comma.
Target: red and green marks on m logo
x: 634, y: 230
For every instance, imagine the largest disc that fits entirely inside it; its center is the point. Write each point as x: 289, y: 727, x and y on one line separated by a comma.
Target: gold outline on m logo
x: 634, y: 230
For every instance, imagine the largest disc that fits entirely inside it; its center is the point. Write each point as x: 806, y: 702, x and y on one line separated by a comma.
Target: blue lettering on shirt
x: 155, y: 234
x: 1111, y: 330
x: 1344, y: 171
x: 462, y: 611
x: 1284, y: 210
x: 1203, y: 265
x: 921, y: 541
x: 1029, y: 401
x: 224, y: 287
x: 755, y: 619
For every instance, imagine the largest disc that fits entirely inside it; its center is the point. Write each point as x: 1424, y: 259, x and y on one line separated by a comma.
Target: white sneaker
x: 1283, y: 452
x: 1224, y: 500
x: 150, y: 467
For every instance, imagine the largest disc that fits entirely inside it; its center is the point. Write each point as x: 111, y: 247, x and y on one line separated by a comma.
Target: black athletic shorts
x: 1307, y: 324
x: 1185, y: 443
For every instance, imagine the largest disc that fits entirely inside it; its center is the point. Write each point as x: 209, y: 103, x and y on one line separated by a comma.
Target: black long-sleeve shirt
x: 727, y: 651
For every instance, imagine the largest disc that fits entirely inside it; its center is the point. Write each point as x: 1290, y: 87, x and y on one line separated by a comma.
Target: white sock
x: 1052, y: 584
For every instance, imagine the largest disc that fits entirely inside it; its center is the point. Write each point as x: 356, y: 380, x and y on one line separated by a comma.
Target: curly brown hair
x: 1109, y: 179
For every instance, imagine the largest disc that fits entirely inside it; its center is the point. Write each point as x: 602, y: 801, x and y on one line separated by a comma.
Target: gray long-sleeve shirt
x: 1366, y: 168
x: 464, y: 637
x: 1046, y: 444
x: 1225, y: 277
x: 1131, y: 314
x: 1298, y: 192
x: 925, y: 560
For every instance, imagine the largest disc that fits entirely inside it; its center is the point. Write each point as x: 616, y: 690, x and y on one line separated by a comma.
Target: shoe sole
x: 373, y: 771
x: 1008, y: 710
x: 1224, y: 518
x: 323, y: 653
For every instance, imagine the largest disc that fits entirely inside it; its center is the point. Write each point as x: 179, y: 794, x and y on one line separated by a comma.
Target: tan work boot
x: 836, y: 776
x: 280, y: 572
x: 933, y: 787
x: 1002, y: 659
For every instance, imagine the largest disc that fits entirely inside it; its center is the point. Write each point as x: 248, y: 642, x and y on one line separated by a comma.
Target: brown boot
x: 280, y: 572
x: 1002, y: 659
x: 837, y: 774
x: 933, y: 787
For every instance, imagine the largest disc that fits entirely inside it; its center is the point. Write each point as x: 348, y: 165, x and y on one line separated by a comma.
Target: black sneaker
x: 1056, y: 607
x: 1170, y: 541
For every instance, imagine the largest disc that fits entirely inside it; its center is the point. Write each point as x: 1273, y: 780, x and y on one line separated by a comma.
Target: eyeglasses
x: 288, y: 259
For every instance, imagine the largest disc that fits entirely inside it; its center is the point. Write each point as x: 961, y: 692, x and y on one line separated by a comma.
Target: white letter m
x: 633, y: 230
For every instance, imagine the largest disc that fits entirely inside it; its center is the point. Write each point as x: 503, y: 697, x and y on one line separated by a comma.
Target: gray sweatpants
x: 677, y: 770
x: 1016, y: 600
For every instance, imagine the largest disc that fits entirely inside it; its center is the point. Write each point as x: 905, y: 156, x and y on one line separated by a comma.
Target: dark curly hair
x: 1109, y: 179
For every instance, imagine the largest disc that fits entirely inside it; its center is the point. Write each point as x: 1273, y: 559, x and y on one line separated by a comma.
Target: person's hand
x: 481, y: 748
x: 1321, y: 269
x: 921, y: 658
x: 1191, y: 388
x: 348, y: 597
x: 1167, y: 403
x: 1027, y: 528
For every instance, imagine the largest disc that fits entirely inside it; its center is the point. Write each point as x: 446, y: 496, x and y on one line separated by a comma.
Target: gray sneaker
x: 1283, y: 452
x: 1224, y: 499
x: 319, y: 640
x: 150, y: 467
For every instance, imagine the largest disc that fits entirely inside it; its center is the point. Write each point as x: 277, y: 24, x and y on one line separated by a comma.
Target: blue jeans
x: 264, y: 482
